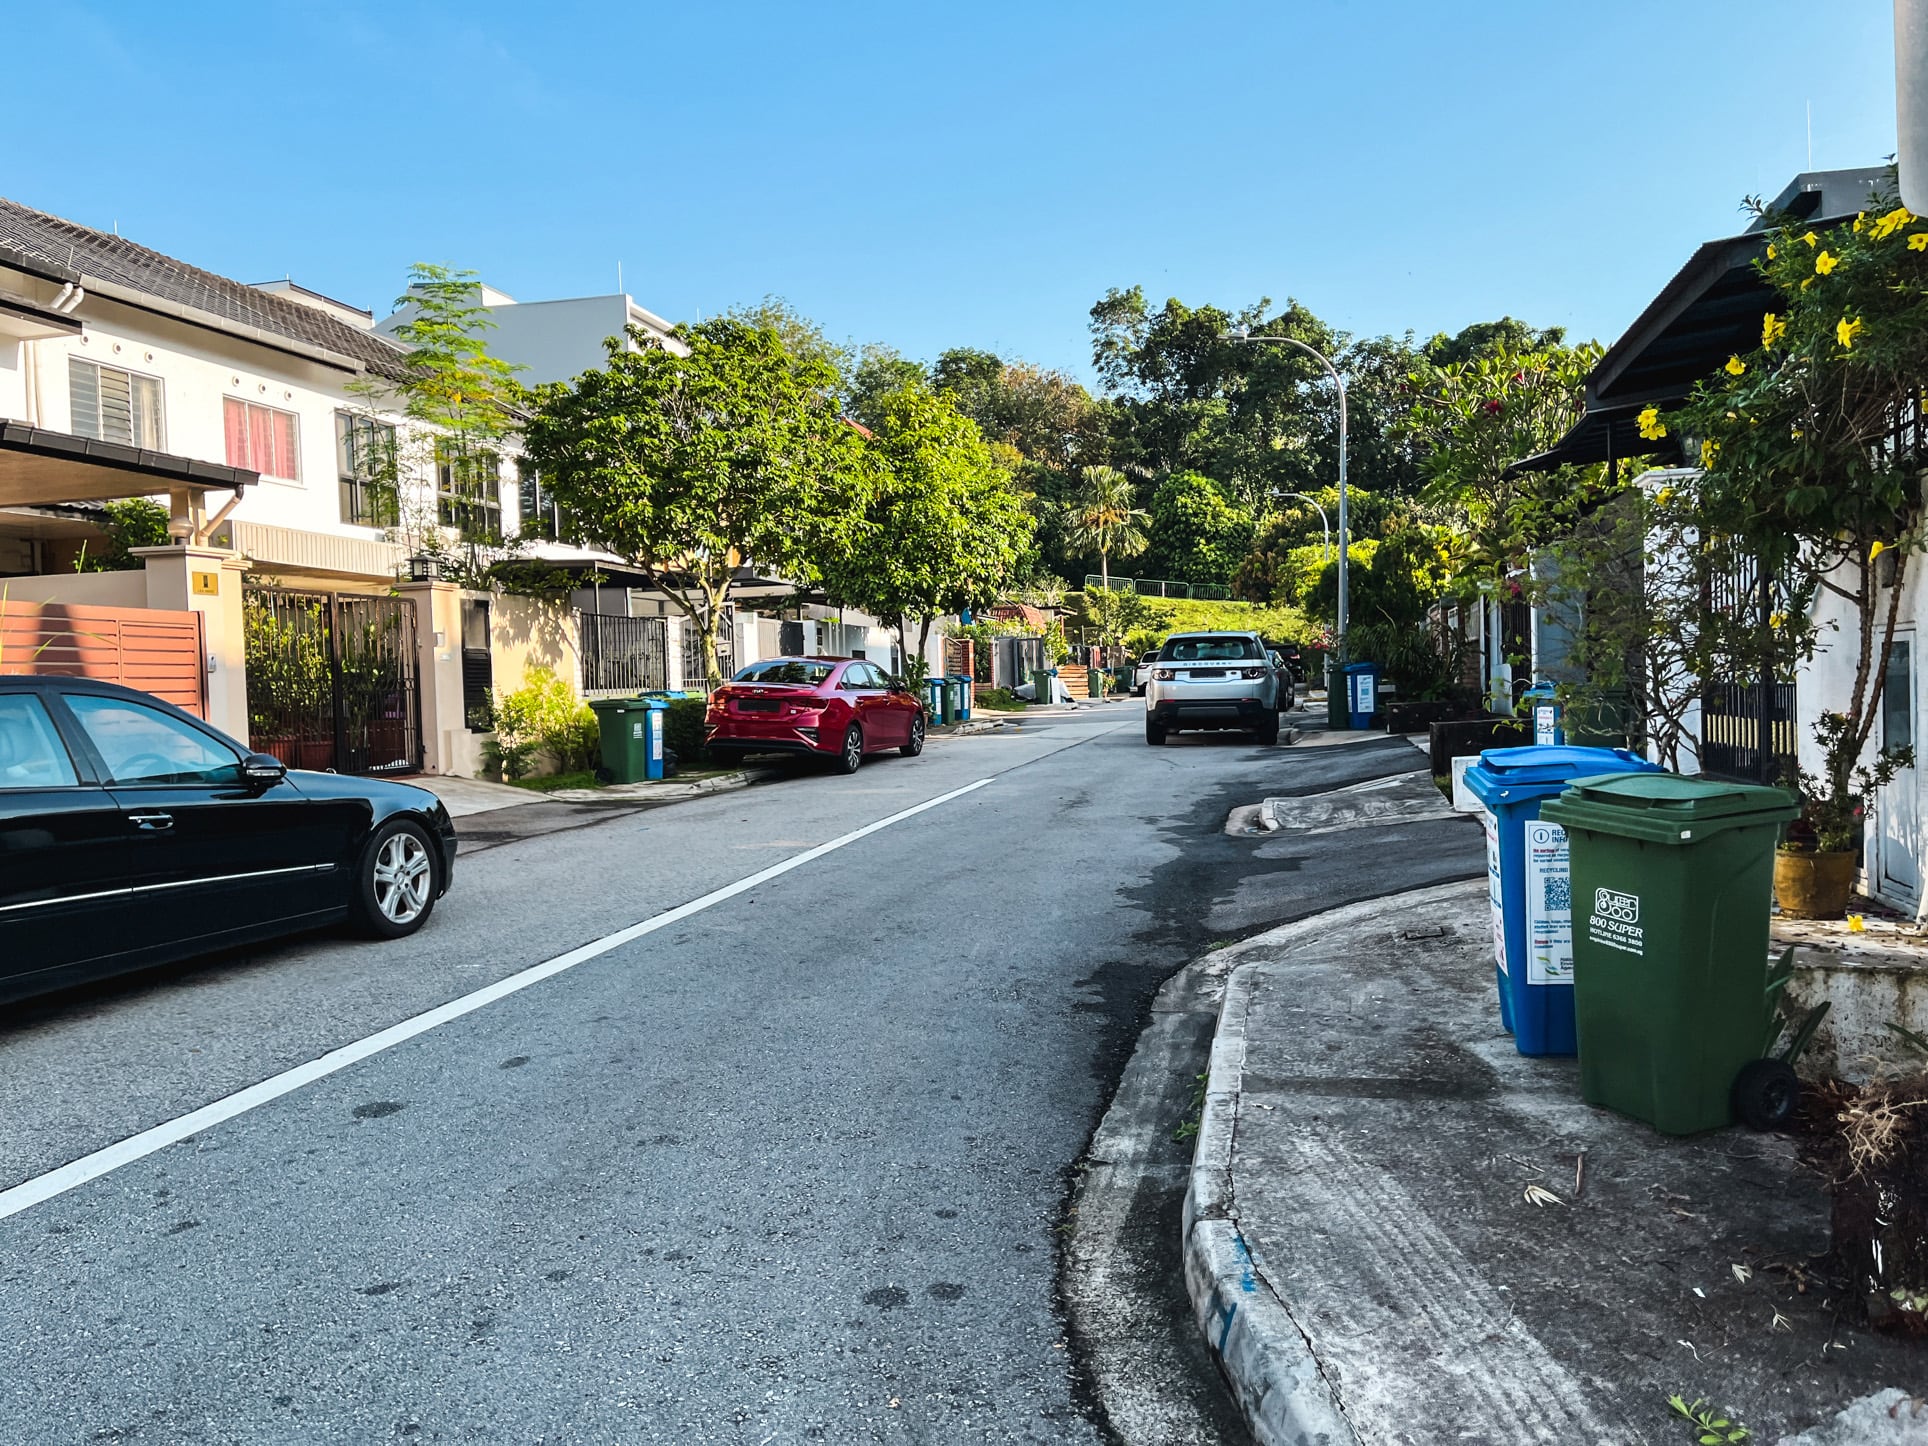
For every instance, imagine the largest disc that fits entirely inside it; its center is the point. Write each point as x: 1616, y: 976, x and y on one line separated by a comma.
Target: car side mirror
x: 263, y: 770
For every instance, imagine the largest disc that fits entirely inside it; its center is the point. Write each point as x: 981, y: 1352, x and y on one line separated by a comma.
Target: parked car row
x: 132, y: 834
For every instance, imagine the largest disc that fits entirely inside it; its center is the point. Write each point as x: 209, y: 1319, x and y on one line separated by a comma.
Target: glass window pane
x: 144, y: 745
x: 1897, y: 699
x: 83, y: 397
x: 31, y: 753
x: 147, y: 414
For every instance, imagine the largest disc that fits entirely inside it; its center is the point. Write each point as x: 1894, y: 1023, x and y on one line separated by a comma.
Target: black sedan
x: 132, y: 833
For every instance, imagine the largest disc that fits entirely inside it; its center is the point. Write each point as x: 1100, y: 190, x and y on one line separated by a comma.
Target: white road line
x: 30, y: 1193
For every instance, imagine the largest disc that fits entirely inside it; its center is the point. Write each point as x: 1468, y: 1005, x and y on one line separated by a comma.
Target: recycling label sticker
x: 1549, y: 905
x: 1495, y: 893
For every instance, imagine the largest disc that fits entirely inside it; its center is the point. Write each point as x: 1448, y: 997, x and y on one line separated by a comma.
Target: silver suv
x: 1212, y: 680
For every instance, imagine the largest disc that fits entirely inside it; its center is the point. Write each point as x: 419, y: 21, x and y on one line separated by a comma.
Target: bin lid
x: 1540, y: 769
x: 1362, y: 667
x: 1666, y: 808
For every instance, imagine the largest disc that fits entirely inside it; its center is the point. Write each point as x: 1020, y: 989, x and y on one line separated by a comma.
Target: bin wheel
x: 604, y: 774
x: 1764, y: 1094
x: 1154, y: 733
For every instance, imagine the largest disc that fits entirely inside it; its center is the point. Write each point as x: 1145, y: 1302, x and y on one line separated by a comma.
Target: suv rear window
x: 786, y: 670
x: 1208, y: 650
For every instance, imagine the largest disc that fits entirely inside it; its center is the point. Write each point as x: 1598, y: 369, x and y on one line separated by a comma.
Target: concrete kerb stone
x: 1264, y: 1353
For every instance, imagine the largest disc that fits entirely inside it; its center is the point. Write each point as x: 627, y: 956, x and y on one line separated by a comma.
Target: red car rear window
x: 787, y: 670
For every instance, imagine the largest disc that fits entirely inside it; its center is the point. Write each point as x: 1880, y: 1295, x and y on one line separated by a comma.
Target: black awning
x: 1603, y: 435
x: 41, y: 468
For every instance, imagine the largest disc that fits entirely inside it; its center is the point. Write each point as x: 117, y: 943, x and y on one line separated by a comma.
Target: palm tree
x: 1102, y: 517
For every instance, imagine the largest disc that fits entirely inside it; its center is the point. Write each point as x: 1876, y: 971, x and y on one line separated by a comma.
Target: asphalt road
x: 790, y: 1166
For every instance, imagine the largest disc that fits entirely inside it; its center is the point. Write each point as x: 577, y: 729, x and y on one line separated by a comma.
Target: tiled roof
x: 66, y: 247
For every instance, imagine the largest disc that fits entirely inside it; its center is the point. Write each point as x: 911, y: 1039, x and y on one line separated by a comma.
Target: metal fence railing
x: 693, y: 671
x: 623, y: 654
x: 1162, y: 587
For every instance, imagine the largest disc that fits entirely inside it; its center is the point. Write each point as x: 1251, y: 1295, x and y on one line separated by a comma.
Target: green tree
x: 1197, y: 535
x: 1105, y: 517
x: 131, y: 522
x: 880, y: 370
x: 1483, y: 338
x: 1186, y: 396
x: 464, y: 403
x: 690, y: 467
x: 943, y: 529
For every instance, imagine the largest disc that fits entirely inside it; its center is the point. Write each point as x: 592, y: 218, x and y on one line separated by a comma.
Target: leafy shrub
x: 683, y: 729
x: 544, y: 715
x: 512, y: 748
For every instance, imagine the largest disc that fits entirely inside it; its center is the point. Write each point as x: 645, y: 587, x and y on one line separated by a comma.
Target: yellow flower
x: 1918, y: 241
x: 1857, y: 924
x: 1651, y: 427
x: 1812, y: 240
x: 1772, y: 329
x: 1859, y: 219
x: 1892, y: 222
x: 1775, y: 620
x: 1824, y: 263
x: 1770, y: 251
x: 1807, y: 283
x: 1845, y: 331
x: 1735, y: 366
x: 1876, y: 550
x: 1664, y: 496
x: 1709, y: 451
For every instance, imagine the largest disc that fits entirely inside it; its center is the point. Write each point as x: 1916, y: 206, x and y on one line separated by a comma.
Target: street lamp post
x: 1339, y: 632
x: 1323, y: 522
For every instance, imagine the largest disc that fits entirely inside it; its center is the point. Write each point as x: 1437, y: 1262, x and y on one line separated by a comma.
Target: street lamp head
x: 1237, y: 333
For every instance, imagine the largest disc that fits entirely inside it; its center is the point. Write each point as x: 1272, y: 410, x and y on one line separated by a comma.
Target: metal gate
x: 1747, y: 725
x: 623, y: 655
x: 332, y: 681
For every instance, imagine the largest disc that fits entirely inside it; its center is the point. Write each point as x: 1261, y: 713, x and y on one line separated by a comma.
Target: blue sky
x: 972, y: 174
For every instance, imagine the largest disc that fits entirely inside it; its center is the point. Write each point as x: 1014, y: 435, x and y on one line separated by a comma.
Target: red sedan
x: 840, y: 708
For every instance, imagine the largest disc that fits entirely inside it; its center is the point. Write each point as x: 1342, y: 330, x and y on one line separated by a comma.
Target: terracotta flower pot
x: 1813, y: 885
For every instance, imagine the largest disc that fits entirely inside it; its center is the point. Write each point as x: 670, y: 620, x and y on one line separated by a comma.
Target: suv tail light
x: 1252, y: 672
x: 1164, y: 675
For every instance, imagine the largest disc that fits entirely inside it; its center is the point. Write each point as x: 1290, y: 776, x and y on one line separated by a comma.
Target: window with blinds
x: 111, y: 405
x: 262, y: 439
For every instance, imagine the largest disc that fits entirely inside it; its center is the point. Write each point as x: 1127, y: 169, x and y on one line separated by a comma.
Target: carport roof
x: 40, y: 468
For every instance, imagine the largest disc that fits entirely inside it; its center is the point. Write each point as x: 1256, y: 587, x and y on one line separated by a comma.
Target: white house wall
x: 1826, y: 684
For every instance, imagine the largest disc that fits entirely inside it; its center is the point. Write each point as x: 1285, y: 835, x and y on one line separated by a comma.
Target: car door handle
x: 152, y: 822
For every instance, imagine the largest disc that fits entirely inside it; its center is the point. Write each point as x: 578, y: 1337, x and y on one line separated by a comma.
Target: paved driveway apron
x: 788, y: 1169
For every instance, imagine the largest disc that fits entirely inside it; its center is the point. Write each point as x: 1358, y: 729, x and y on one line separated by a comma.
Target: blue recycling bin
x: 1545, y: 715
x: 1530, y: 884
x: 960, y: 697
x: 937, y: 699
x: 1362, y: 693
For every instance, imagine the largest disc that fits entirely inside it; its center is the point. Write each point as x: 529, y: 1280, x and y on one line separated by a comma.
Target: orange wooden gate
x: 156, y: 651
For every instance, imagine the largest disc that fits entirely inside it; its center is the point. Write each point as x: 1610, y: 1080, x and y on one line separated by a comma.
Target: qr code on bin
x: 1557, y: 895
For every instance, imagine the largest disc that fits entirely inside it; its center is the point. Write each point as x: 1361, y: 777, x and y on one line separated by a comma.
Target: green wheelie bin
x: 1672, y: 880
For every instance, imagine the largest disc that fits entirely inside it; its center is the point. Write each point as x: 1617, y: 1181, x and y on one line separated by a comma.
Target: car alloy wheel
x: 851, y: 757
x: 403, y: 877
x: 916, y: 744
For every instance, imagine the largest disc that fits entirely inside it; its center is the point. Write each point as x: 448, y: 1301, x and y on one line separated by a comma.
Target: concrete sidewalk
x: 1399, y: 1230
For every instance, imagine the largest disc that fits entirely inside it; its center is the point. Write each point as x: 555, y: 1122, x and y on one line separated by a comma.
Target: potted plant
x: 1814, y: 868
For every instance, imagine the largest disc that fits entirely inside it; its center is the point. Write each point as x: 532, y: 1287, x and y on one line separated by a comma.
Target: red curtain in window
x: 235, y: 415
x: 261, y: 441
x: 286, y: 464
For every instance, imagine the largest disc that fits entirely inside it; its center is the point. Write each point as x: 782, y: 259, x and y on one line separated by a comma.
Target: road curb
x: 655, y: 795
x: 1265, y: 1354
